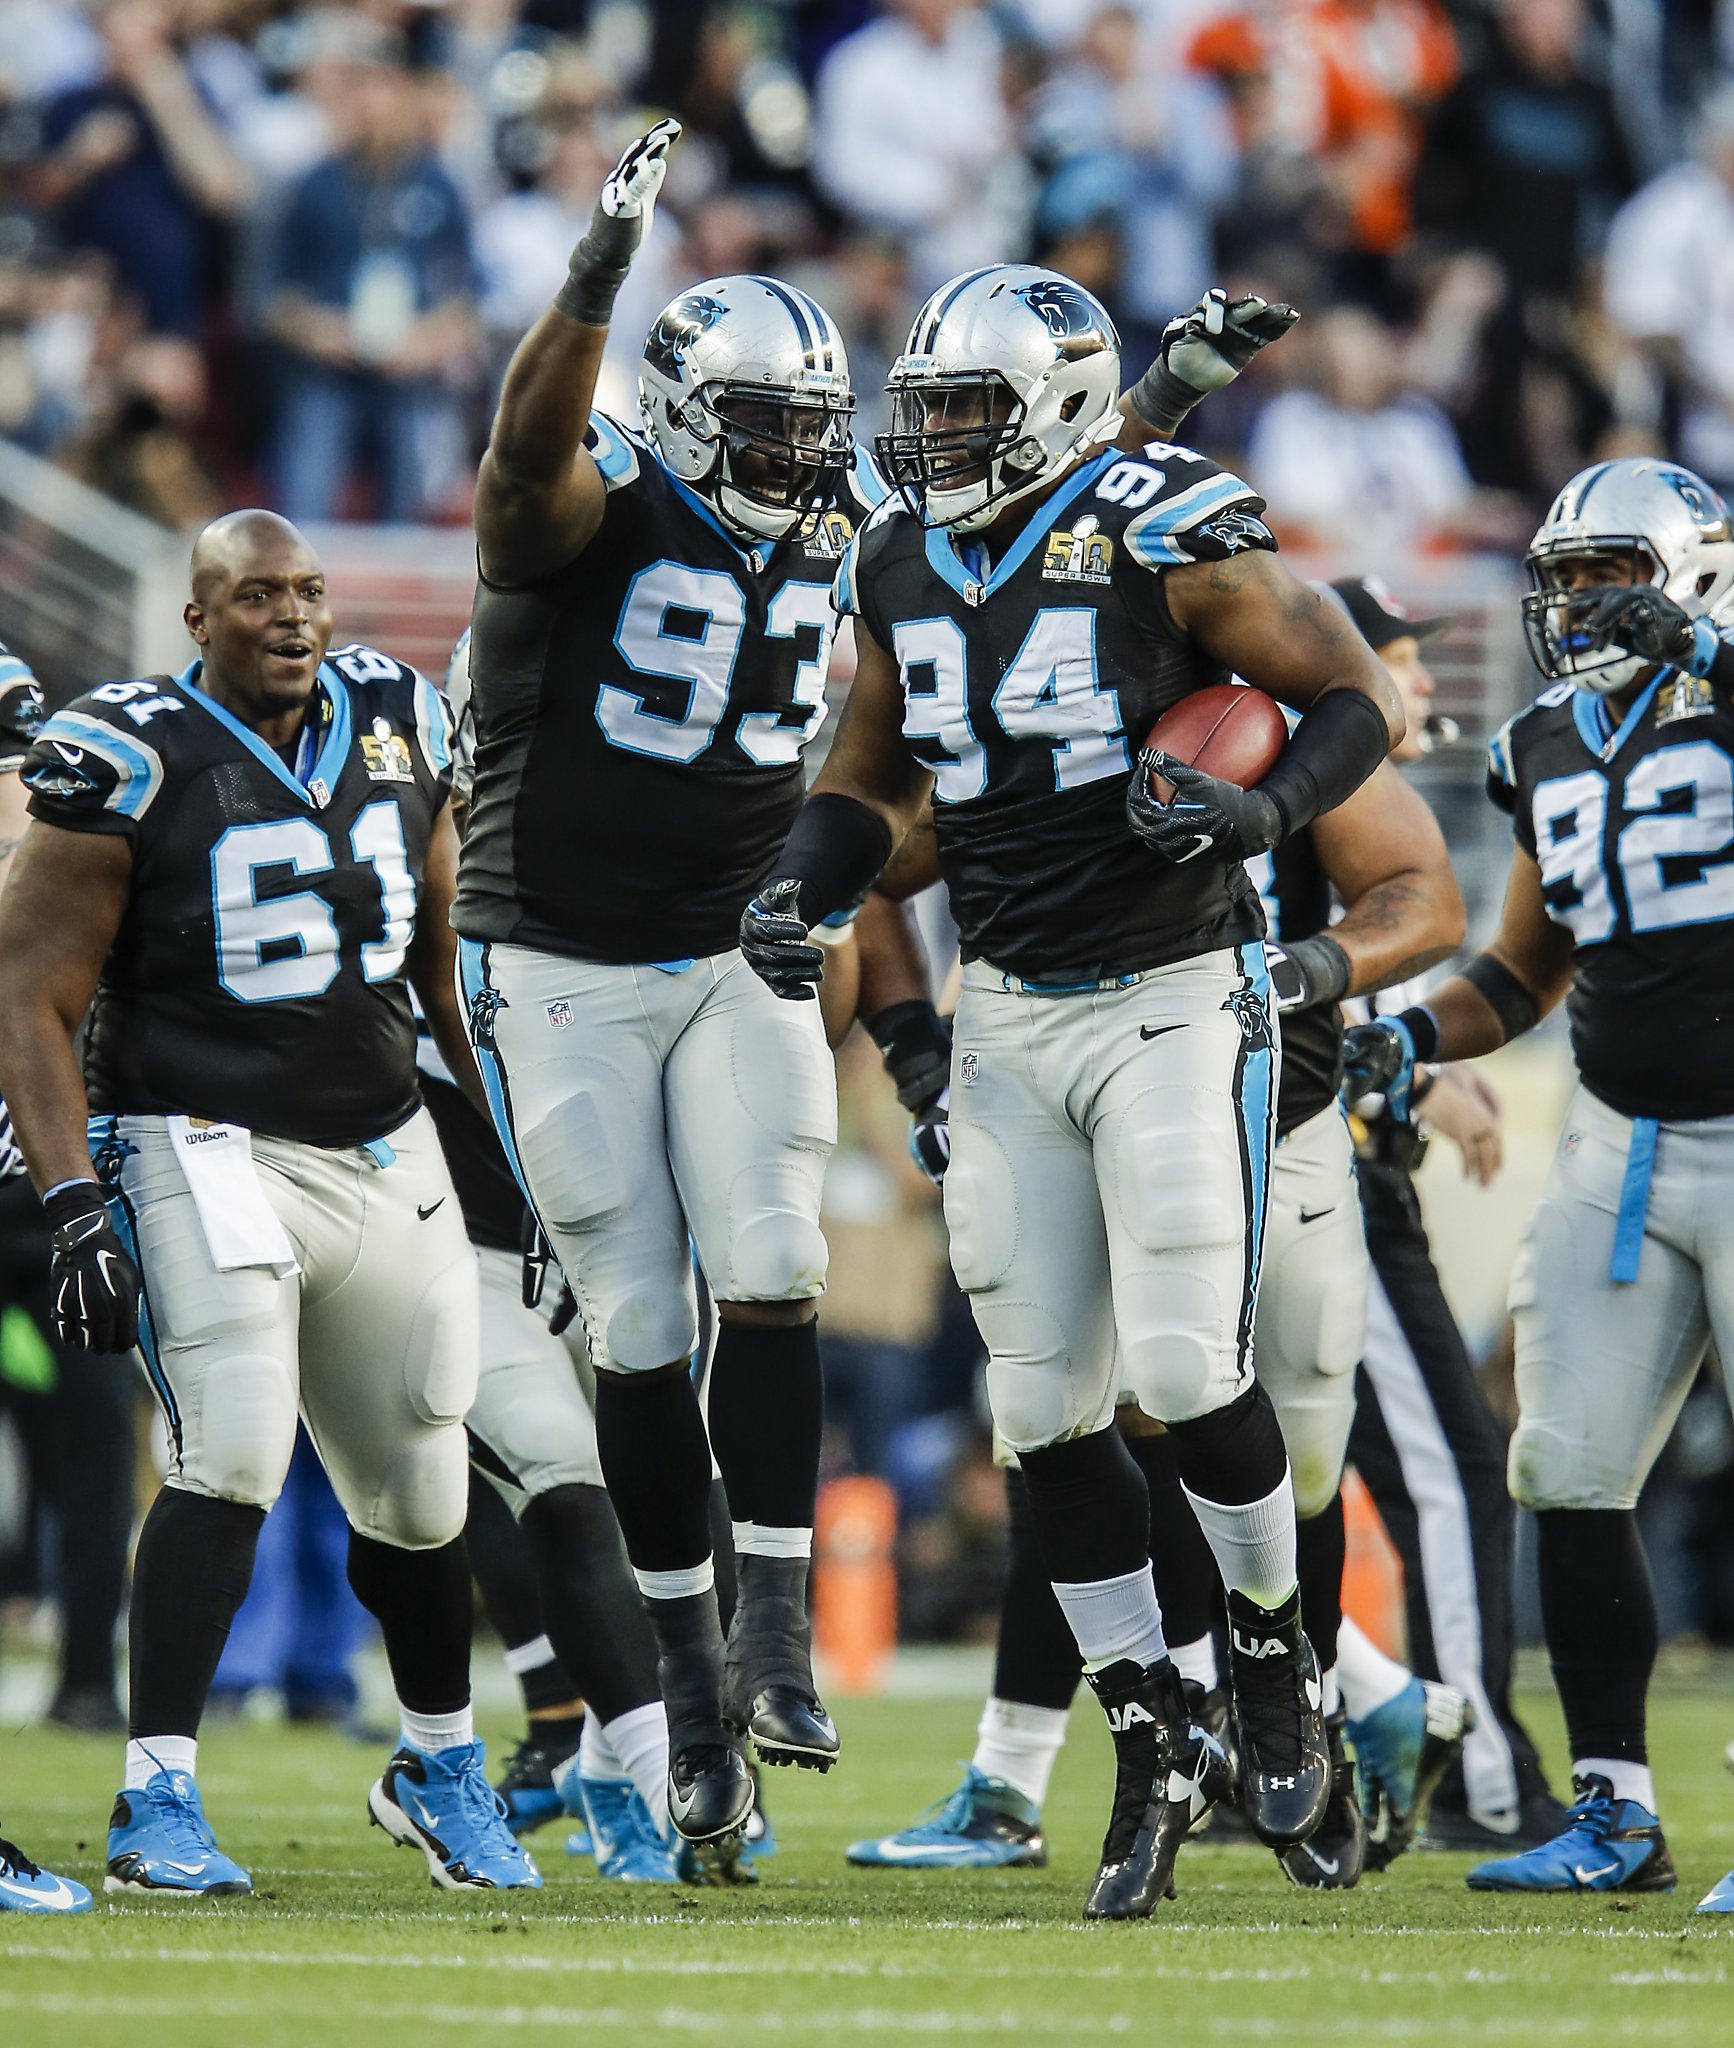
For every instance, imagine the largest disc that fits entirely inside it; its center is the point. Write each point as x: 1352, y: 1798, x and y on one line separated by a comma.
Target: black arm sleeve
x: 1336, y: 746
x: 1506, y: 996
x: 836, y: 848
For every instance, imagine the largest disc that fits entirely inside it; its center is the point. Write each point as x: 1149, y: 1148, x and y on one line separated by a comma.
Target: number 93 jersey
x: 257, y: 977
x: 640, y: 717
x: 1631, y: 822
x: 1029, y: 685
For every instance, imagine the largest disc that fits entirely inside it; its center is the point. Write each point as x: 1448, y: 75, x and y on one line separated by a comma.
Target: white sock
x: 531, y: 1656
x: 431, y: 1733
x: 1330, y: 1693
x: 1253, y: 1544
x: 760, y: 1539
x: 1114, y: 1618
x: 1196, y: 1661
x: 147, y: 1755
x: 1020, y: 1744
x: 596, y: 1758
x: 639, y: 1741
x: 1369, y: 1679
x: 677, y: 1585
x: 1629, y: 1780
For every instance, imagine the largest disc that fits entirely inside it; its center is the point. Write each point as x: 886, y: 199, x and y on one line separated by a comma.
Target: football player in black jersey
x: 649, y: 648
x: 1619, y: 780
x: 1048, y: 583
x: 232, y: 870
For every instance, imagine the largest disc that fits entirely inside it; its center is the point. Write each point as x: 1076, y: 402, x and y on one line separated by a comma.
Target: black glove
x: 94, y: 1284
x: 1307, y: 972
x: 600, y: 262
x: 1206, y: 815
x: 930, y: 1137
x: 1644, y: 621
x: 1203, y: 351
x: 1379, y: 1059
x: 11, y: 1159
x: 565, y: 1310
x: 537, y: 1252
x: 774, y: 942
x: 916, y: 1043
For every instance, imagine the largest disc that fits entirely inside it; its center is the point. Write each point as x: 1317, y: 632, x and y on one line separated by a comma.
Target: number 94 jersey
x: 1030, y: 684
x: 257, y: 977
x: 1631, y: 822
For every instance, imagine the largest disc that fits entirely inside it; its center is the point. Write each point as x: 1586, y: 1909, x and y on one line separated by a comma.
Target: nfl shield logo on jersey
x: 559, y: 1013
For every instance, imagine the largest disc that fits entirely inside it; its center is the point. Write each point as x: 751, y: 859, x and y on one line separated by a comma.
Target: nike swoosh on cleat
x: 1330, y: 1865
x: 1589, y: 1876
x: 61, y: 1896
x: 902, y: 1852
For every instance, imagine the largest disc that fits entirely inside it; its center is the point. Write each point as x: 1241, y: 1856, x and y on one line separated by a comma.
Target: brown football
x: 1229, y: 730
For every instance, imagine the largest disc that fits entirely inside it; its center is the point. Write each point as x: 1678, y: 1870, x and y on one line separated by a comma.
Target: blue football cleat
x: 1608, y: 1845
x: 984, y: 1825
x: 624, y: 1838
x: 578, y: 1843
x: 1718, y: 1899
x: 722, y: 1861
x: 27, y: 1888
x: 1404, y: 1748
x: 160, y: 1842
x: 527, y: 1783
x: 442, y: 1804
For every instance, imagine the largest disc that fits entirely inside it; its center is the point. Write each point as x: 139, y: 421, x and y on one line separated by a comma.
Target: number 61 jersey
x: 257, y: 977
x: 1631, y: 822
x: 1029, y: 685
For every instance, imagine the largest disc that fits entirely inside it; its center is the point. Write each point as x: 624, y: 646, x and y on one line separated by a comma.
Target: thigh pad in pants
x: 532, y: 1428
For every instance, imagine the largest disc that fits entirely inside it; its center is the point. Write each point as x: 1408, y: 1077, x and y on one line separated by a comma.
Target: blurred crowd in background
x: 255, y: 252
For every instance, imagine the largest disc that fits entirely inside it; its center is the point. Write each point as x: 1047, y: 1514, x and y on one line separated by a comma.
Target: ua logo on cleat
x: 1131, y: 1715
x: 1252, y: 1646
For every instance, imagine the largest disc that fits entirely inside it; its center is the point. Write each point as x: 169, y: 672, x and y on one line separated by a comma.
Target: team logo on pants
x: 1252, y: 1017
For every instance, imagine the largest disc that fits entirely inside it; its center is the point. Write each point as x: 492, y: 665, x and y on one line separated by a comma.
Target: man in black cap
x: 1425, y: 1441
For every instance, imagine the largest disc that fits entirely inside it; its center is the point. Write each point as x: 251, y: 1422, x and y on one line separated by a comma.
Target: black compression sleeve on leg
x: 767, y: 1414
x: 835, y: 848
x: 1234, y: 1455
x: 1598, y: 1608
x: 1336, y: 746
x: 503, y: 1567
x: 722, y: 1546
x: 421, y: 1600
x: 194, y: 1562
x: 1090, y: 1507
x: 1321, y: 1550
x: 656, y: 1459
x: 596, y: 1621
x: 1187, y: 1583
x: 1036, y: 1661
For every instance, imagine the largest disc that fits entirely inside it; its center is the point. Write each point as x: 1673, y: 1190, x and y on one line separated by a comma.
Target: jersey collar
x: 1595, y: 725
x: 943, y: 558
x: 321, y: 781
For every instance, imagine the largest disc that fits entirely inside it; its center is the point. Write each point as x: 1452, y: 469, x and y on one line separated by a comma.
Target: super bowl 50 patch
x: 1085, y: 555
x: 385, y: 754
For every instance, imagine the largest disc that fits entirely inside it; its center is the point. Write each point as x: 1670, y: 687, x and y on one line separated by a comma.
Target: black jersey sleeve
x: 92, y: 767
x: 854, y: 593
x: 22, y: 711
x: 1184, y: 507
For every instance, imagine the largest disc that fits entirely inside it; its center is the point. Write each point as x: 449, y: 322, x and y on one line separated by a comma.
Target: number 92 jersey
x: 257, y: 977
x: 640, y: 717
x: 1631, y: 822
x: 1029, y: 686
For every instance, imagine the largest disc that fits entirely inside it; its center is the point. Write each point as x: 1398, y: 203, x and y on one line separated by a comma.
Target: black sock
x: 1090, y: 1507
x: 192, y: 1570
x: 421, y: 1600
x: 1234, y: 1455
x: 1187, y: 1583
x: 767, y: 1413
x: 1321, y: 1547
x: 1036, y: 1661
x: 656, y: 1459
x: 722, y: 1550
x: 1598, y: 1609
x: 548, y: 1685
x: 595, y: 1618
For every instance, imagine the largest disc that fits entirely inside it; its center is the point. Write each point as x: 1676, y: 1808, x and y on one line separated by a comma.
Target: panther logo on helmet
x: 1071, y: 314
x: 1702, y: 502
x: 678, y: 327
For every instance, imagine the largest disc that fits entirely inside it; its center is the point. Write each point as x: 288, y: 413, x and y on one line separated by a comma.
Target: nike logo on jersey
x: 1158, y: 1030
x: 1313, y: 1215
x: 424, y: 1214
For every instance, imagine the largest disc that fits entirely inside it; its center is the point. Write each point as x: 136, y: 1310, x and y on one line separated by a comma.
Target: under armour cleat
x: 1608, y: 1845
x: 527, y: 1783
x: 626, y: 1843
x: 160, y: 1842
x: 25, y: 1887
x: 1718, y: 1899
x: 1333, y: 1855
x: 768, y: 1692
x: 983, y: 1825
x: 1404, y: 1748
x: 1278, y: 1721
x: 442, y: 1804
x: 1164, y: 1768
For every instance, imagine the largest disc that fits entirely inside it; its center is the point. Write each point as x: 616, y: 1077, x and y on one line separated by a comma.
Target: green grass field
x: 346, y: 1942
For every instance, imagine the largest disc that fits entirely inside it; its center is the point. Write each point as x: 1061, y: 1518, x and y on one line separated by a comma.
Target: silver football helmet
x: 744, y: 388
x: 1008, y: 373
x: 1667, y: 520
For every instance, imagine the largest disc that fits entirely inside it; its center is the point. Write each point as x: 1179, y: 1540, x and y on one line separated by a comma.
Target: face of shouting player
x: 261, y: 615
